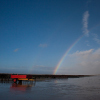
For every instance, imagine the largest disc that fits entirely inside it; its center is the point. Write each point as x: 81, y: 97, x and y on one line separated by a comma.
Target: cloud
x: 85, y: 23
x: 87, y: 43
x: 43, y: 45
x: 82, y: 62
x: 82, y: 53
x: 16, y: 50
x: 96, y: 38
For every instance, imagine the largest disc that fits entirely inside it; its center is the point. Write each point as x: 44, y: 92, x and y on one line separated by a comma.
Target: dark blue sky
x: 35, y: 34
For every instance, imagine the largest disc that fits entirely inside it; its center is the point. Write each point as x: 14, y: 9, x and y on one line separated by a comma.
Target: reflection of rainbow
x: 68, y: 50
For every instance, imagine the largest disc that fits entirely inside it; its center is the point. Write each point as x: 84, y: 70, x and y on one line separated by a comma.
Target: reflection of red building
x: 22, y: 77
x: 21, y: 87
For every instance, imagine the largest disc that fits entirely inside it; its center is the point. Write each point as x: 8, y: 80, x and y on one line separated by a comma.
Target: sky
x: 50, y: 36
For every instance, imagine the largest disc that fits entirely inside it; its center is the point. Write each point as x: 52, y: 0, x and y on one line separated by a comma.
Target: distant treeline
x: 5, y: 75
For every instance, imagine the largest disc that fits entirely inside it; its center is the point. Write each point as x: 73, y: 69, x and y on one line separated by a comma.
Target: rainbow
x: 63, y: 57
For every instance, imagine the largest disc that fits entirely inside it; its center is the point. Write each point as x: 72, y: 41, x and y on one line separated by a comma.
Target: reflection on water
x: 87, y: 88
x: 22, y: 86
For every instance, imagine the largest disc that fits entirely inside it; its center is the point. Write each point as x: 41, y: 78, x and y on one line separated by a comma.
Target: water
x: 87, y: 88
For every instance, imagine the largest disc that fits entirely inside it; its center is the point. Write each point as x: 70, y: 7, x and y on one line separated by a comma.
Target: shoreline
x: 7, y: 76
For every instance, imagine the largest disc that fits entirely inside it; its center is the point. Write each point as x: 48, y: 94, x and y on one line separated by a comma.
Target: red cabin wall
x: 21, y: 76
